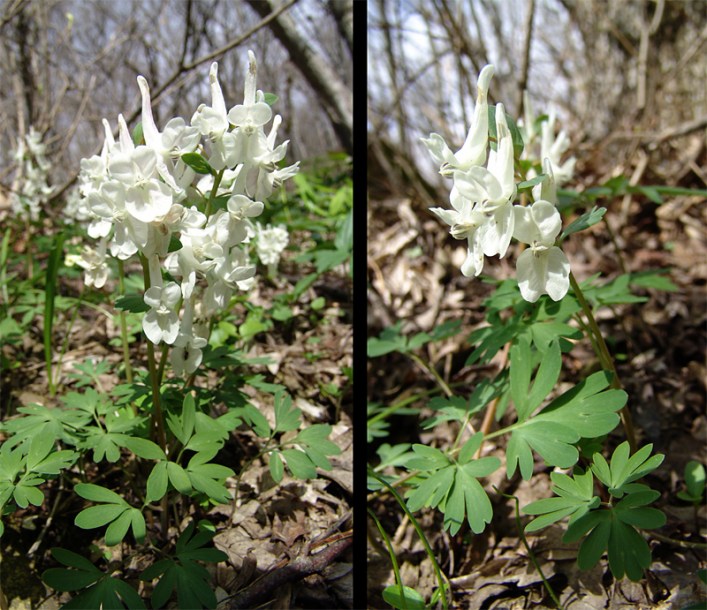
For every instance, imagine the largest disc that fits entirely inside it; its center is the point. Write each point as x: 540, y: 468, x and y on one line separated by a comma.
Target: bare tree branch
x: 336, y: 96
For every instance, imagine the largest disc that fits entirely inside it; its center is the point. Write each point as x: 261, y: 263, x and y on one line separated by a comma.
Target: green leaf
x: 585, y: 221
x: 390, y: 340
x: 584, y: 411
x: 470, y: 447
x: 179, y: 478
x: 479, y: 511
x: 526, y: 185
x: 574, y: 497
x: 55, y: 462
x: 432, y: 490
x: 74, y: 560
x: 118, y: 528
x: 521, y: 369
x: 134, y: 303
x: 427, y: 458
x: 695, y: 480
x: 270, y: 99
x: 28, y: 494
x: 287, y: 417
x: 98, y: 516
x: 198, y: 163
x: 593, y: 547
x: 157, y: 482
x: 142, y: 447
x: 299, y: 464
x: 277, y: 468
x: 525, y: 398
x: 624, y: 470
x: 96, y: 493
x: 61, y: 579
x: 188, y: 415
x: 403, y: 598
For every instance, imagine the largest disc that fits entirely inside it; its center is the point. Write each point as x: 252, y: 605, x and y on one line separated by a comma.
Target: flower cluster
x: 270, y: 243
x: 32, y: 190
x: 545, y: 144
x: 482, y: 198
x: 142, y: 200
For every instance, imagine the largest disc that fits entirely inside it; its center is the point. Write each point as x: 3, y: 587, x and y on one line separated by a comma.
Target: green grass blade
x: 56, y: 257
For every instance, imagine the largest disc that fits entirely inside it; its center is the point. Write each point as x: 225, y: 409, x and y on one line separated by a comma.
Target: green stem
x: 432, y: 371
x: 606, y: 360
x: 65, y: 344
x: 531, y: 555
x: 124, y: 329
x: 686, y: 544
x: 406, y: 401
x: 391, y: 554
x: 157, y: 420
x: 214, y: 190
x: 430, y: 553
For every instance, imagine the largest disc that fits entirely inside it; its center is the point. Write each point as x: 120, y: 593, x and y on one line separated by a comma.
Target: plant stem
x: 65, y: 344
x: 531, y: 555
x: 157, y: 420
x: 432, y: 371
x: 686, y: 544
x: 124, y: 329
x: 441, y: 580
x: 490, y: 414
x: 607, y: 362
x: 214, y: 189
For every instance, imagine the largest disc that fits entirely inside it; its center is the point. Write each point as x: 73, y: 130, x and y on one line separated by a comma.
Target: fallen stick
x: 262, y: 589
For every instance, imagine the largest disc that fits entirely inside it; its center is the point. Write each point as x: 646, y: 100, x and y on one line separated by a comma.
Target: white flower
x: 161, y: 322
x: 94, y: 263
x: 553, y: 147
x: 494, y: 189
x: 186, y: 355
x: 146, y: 198
x: 473, y: 151
x: 271, y: 241
x: 212, y: 122
x: 542, y: 268
x: 170, y: 145
x: 464, y: 222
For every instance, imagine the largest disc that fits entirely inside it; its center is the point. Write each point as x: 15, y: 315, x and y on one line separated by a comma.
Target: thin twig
x: 262, y: 590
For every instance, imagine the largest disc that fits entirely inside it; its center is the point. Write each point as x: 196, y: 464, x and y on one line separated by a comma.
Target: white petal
x: 151, y: 327
x: 451, y: 217
x: 497, y: 232
x: 530, y: 273
x: 474, y: 263
x: 548, y: 221
x: 558, y: 273
x: 438, y: 148
x: 153, y: 297
x: 524, y: 229
x: 171, y: 294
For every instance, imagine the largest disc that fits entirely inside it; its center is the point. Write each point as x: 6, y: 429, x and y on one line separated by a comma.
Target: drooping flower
x: 553, y: 147
x: 473, y: 151
x: 161, y: 322
x: 464, y: 221
x: 93, y: 261
x: 270, y: 243
x: 493, y: 188
x: 542, y: 268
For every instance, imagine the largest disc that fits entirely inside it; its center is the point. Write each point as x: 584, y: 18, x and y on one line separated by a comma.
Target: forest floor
x: 268, y: 526
x: 661, y: 346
